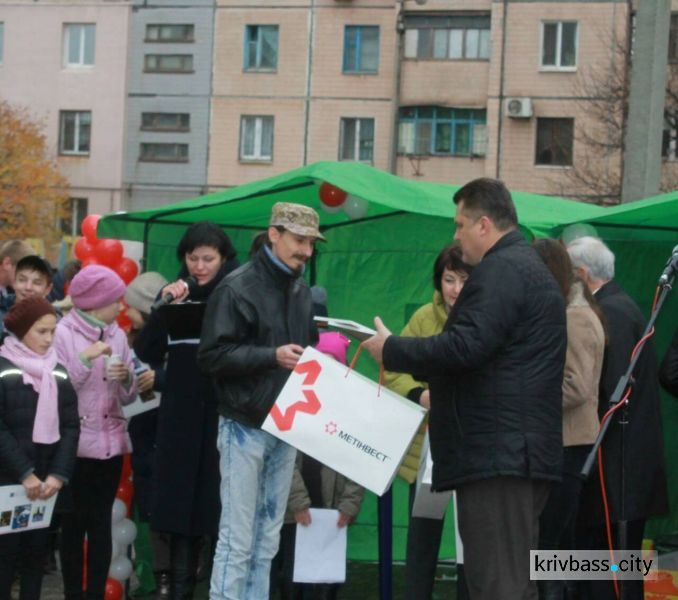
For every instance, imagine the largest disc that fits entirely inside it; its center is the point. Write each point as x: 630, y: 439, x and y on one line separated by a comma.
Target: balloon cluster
x: 124, y: 532
x: 334, y: 199
x: 90, y: 250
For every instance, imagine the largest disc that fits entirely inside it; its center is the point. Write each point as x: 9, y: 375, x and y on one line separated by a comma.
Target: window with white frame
x: 168, y: 63
x: 79, y: 42
x: 670, y: 135
x: 440, y: 130
x: 163, y: 152
x: 75, y: 128
x: 555, y: 140
x: 261, y: 48
x: 559, y: 45
x: 447, y: 37
x: 2, y: 41
x: 256, y: 137
x: 76, y: 211
x: 356, y: 139
x: 169, y: 33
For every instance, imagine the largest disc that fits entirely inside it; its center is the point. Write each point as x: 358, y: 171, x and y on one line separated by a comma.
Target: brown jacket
x: 337, y: 492
x: 583, y: 365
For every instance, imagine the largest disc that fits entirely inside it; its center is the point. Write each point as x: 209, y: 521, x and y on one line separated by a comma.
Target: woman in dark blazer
x: 185, y: 492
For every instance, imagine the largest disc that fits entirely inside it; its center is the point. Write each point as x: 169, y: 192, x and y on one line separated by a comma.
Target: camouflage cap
x: 297, y: 218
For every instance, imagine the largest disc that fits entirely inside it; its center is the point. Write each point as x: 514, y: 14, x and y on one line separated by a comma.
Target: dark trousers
x: 184, y: 556
x: 282, y: 571
x: 421, y: 559
x: 499, y: 525
x: 25, y: 552
x: 94, y: 485
x: 595, y: 538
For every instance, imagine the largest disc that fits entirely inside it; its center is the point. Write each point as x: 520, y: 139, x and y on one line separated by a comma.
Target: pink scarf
x: 37, y: 372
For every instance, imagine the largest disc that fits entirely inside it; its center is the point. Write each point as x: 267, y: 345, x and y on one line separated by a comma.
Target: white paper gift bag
x: 344, y: 420
x: 428, y: 504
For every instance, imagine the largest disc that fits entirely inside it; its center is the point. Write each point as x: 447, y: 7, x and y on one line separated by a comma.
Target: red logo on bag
x: 331, y: 428
x: 311, y: 405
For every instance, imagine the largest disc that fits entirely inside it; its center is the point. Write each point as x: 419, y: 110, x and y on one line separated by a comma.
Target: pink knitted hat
x: 96, y: 286
x: 335, y: 344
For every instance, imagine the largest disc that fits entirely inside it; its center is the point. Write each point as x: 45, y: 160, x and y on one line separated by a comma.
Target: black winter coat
x: 495, y: 372
x: 185, y: 474
x: 644, y: 468
x: 668, y: 372
x: 252, y: 312
x: 19, y: 454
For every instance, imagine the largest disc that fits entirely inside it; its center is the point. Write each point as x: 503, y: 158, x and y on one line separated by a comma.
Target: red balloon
x: 83, y: 249
x: 331, y: 195
x: 125, y: 493
x: 113, y: 589
x: 127, y: 269
x: 92, y: 260
x: 89, y: 227
x: 126, y: 474
x: 124, y: 322
x: 109, y: 252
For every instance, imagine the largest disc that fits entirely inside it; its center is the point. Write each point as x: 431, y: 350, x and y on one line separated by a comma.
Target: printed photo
x: 38, y: 514
x: 22, y: 514
x: 5, y: 518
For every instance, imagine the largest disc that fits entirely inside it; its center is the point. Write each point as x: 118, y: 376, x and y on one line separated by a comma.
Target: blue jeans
x: 256, y: 475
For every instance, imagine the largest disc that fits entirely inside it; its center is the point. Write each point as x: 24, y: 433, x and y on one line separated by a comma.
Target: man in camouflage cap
x: 258, y: 321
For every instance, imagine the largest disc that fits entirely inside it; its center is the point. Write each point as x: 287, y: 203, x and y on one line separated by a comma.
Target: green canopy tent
x: 379, y: 264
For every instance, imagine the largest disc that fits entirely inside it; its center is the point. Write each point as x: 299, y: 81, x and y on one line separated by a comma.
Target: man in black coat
x: 668, y: 372
x: 257, y: 323
x: 641, y: 458
x: 495, y: 375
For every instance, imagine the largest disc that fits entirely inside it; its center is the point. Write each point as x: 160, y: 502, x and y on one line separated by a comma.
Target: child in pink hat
x: 96, y: 355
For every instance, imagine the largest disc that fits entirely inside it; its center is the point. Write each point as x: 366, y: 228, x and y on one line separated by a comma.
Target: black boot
x: 184, y: 551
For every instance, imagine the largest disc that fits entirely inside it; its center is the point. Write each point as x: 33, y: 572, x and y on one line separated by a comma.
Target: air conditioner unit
x: 518, y: 108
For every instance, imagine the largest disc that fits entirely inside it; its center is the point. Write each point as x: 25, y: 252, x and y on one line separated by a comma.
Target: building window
x: 160, y: 121
x: 157, y: 152
x: 2, y: 41
x: 79, y: 42
x: 261, y: 48
x: 443, y: 131
x: 559, y: 45
x: 256, y: 138
x: 361, y: 49
x: 74, y: 132
x: 356, y: 139
x: 170, y: 33
x: 168, y: 63
x: 670, y: 136
x: 76, y: 209
x: 555, y: 138
x: 673, y: 38
x: 447, y: 38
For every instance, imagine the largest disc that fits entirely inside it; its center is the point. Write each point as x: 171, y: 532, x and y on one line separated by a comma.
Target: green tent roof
x: 249, y: 205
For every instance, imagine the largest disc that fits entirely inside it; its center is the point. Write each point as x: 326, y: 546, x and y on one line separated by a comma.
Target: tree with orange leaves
x: 33, y: 194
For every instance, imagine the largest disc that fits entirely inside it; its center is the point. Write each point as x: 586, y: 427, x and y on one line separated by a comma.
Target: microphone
x: 670, y: 268
x: 190, y: 282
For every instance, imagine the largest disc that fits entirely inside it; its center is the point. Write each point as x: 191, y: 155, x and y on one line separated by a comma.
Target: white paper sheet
x: 140, y: 406
x: 320, y: 550
x: 18, y: 513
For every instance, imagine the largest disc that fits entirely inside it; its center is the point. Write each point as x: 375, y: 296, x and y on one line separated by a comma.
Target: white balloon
x: 119, y: 511
x: 331, y: 210
x: 355, y: 206
x: 121, y: 568
x: 124, y: 532
x: 115, y: 549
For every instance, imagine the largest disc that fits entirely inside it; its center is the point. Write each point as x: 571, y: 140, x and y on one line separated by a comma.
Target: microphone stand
x: 624, y: 382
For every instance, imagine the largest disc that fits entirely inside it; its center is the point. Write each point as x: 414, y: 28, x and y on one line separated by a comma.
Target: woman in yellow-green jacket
x: 423, y: 535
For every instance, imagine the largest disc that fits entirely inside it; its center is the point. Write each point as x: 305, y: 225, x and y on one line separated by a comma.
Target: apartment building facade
x: 66, y: 63
x: 168, y: 106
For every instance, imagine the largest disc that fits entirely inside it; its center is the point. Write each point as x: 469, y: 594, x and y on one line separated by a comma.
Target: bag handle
x: 354, y: 360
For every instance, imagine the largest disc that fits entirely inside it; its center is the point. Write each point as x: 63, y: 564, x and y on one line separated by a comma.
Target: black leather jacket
x: 668, y: 372
x: 254, y: 310
x: 495, y: 372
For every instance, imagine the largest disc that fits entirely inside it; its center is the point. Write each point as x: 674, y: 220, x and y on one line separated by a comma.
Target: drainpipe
x: 400, y: 33
x: 309, y: 72
x: 502, y: 72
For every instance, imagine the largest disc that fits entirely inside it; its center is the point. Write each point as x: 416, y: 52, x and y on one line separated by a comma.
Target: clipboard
x: 183, y: 321
x: 355, y: 330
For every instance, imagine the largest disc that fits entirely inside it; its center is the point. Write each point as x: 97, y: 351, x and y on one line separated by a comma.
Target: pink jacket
x: 103, y: 427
